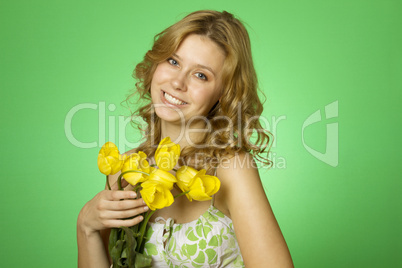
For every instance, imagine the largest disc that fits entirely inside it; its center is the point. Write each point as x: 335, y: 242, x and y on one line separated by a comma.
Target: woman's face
x: 188, y: 83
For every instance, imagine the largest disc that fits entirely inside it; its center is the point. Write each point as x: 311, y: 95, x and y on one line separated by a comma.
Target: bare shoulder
x: 237, y: 168
x: 243, y: 195
x: 239, y: 177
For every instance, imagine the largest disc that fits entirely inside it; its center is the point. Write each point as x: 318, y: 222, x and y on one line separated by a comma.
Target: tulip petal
x: 197, y: 191
x: 185, y: 175
x: 200, y: 185
x: 155, y: 195
x: 136, y: 162
x: 211, y: 184
x: 159, y: 200
x: 103, y: 165
x: 148, y: 194
x: 162, y: 177
x: 109, y: 159
x: 167, y: 154
x: 133, y: 178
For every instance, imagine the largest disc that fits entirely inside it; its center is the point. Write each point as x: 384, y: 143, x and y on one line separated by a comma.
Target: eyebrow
x: 198, y: 65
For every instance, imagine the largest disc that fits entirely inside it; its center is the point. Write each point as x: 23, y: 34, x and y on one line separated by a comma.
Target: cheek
x: 161, y: 73
x: 205, y: 98
x: 198, y: 94
x: 156, y: 75
x: 157, y: 79
x: 154, y: 87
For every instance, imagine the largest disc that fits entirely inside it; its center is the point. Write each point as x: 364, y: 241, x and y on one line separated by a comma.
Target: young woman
x: 200, y: 89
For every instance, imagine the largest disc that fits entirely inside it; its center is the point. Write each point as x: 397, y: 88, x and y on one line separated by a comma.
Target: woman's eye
x: 172, y: 61
x: 201, y: 76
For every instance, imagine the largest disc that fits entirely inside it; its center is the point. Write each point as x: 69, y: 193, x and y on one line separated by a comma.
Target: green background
x: 56, y: 55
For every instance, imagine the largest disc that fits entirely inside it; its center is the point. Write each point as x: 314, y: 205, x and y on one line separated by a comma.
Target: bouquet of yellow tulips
x: 154, y: 185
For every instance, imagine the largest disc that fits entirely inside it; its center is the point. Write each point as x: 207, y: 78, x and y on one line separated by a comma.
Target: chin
x: 170, y: 115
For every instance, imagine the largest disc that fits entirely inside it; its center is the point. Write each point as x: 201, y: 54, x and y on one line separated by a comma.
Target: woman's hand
x: 111, y: 209
x: 108, y: 209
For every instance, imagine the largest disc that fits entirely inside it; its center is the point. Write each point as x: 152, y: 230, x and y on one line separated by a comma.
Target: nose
x: 179, y: 81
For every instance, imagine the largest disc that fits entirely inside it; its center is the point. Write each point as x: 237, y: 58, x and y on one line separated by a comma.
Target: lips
x: 169, y: 99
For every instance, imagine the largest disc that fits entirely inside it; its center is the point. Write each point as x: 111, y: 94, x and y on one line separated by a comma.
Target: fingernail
x: 146, y: 208
x: 133, y: 195
x: 143, y: 201
x: 141, y: 218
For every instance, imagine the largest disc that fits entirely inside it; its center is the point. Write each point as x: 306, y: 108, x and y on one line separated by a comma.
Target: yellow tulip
x: 200, y: 186
x: 162, y: 177
x: 167, y: 154
x: 109, y: 159
x: 155, y: 195
x: 137, y: 161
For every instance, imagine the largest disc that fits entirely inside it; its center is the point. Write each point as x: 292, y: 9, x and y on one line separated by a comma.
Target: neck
x: 184, y: 135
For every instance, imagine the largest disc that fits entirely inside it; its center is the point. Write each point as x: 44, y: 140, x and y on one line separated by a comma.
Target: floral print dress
x: 209, y: 241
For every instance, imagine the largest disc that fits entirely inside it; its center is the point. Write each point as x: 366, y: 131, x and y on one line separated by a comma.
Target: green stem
x: 136, y: 188
x: 182, y: 193
x: 122, y: 234
x: 143, y: 228
x: 125, y: 172
x: 107, y: 182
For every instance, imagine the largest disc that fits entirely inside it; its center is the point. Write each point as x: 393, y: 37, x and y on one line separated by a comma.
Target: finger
x: 124, y: 214
x: 126, y: 223
x: 124, y: 204
x: 120, y: 205
x: 119, y: 195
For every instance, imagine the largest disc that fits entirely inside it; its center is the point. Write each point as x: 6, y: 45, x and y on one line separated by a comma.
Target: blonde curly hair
x: 235, y: 117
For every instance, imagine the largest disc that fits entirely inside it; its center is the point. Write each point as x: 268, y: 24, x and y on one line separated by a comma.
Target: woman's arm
x: 259, y: 236
x: 106, y: 210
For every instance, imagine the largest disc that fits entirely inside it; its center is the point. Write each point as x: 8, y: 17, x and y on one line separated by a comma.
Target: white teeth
x: 173, y: 100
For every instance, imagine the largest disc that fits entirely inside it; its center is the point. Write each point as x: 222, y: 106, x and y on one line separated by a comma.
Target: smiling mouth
x: 172, y: 100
